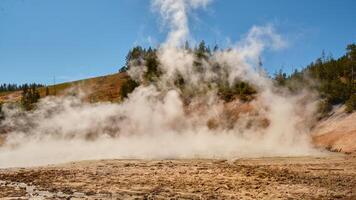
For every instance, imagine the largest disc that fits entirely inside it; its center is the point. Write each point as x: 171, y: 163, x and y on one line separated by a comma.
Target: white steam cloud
x: 175, y: 14
x: 156, y: 123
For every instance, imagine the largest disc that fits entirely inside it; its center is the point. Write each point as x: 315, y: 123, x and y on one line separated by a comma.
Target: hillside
x: 102, y: 88
x: 337, y: 132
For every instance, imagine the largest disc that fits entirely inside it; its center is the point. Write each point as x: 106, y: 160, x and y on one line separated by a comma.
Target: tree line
x: 334, y: 79
x: 147, y: 57
x: 15, y: 87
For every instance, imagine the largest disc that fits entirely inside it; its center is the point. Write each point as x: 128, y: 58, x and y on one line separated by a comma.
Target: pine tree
x: 30, y: 96
x: 335, y: 78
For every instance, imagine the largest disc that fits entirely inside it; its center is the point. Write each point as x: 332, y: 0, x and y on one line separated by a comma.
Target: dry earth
x: 331, y: 177
x: 98, y: 89
x: 337, y: 132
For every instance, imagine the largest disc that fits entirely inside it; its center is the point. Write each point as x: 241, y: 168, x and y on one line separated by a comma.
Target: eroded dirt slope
x: 337, y: 132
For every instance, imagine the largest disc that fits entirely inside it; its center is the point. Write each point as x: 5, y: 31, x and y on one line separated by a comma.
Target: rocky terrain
x: 330, y: 177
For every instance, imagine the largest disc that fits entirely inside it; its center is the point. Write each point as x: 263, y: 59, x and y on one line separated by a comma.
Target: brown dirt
x: 103, y: 88
x: 337, y: 133
x: 12, y: 192
x: 332, y: 177
x: 337, y: 141
x: 7, y: 97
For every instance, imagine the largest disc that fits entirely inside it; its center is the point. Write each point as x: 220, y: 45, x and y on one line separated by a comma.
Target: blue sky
x: 75, y: 39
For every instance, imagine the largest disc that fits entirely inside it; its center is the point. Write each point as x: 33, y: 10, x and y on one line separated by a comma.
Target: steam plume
x: 175, y: 14
x: 154, y: 122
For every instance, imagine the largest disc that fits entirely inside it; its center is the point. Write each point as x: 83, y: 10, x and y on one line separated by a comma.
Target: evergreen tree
x: 152, y: 65
x: 202, y: 51
x: 280, y: 77
x: 14, y: 87
x: 30, y: 96
x: 335, y: 79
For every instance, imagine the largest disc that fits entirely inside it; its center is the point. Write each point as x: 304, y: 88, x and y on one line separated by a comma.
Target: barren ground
x: 331, y: 177
x: 337, y: 132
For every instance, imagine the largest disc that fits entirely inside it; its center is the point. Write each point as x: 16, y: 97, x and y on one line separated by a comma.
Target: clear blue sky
x: 75, y: 39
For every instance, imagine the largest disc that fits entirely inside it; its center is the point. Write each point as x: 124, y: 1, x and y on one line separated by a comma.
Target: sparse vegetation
x: 243, y: 90
x: 30, y: 96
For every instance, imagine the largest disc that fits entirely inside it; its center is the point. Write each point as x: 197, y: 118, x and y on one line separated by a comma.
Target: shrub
x: 242, y: 90
x: 127, y: 87
x: 30, y: 96
x: 324, y: 107
x: 351, y: 104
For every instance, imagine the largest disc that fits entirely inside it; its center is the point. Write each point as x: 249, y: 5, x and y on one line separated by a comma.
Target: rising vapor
x: 155, y: 122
